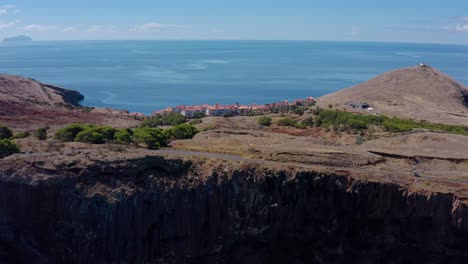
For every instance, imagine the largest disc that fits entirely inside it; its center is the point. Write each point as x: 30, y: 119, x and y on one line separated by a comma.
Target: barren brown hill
x: 26, y: 103
x: 422, y: 93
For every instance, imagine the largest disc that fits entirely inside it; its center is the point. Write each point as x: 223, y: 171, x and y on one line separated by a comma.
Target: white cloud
x: 68, y: 29
x: 4, y: 9
x: 9, y: 6
x: 461, y: 28
x: 155, y: 27
x: 95, y: 28
x: 7, y: 25
x: 101, y: 28
x: 35, y: 27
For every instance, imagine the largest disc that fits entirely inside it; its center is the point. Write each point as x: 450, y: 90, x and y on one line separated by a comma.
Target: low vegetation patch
x: 170, y: 119
x: 343, y: 121
x: 291, y: 123
x: 21, y: 135
x: 41, y: 133
x: 182, y: 131
x: 196, y: 121
x: 264, y: 121
x: 8, y: 147
x: 5, y: 132
x: 152, y: 138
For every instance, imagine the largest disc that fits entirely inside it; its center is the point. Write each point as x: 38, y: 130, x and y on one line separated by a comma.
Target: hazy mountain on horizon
x: 18, y: 38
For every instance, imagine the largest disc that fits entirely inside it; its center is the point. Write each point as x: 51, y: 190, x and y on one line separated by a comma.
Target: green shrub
x: 170, y: 119
x: 183, y: 131
x: 209, y: 127
x: 69, y: 133
x: 264, y: 121
x: 5, y: 132
x: 90, y: 136
x: 195, y: 121
x: 342, y: 119
x: 107, y: 132
x: 309, y: 121
x: 8, y: 147
x: 299, y: 111
x: 124, y: 136
x: 357, y: 124
x: 286, y: 122
x: 153, y: 138
x: 21, y: 135
x: 41, y: 133
x: 300, y: 125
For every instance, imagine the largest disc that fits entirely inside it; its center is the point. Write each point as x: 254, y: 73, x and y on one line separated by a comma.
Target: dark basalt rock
x: 69, y: 96
x: 168, y: 211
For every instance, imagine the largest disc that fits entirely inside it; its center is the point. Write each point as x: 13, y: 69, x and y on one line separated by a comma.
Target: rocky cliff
x: 155, y: 210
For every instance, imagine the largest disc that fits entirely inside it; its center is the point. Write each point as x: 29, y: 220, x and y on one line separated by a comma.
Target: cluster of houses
x: 196, y: 111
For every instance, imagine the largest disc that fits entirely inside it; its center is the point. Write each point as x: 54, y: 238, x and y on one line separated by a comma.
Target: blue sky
x: 429, y: 21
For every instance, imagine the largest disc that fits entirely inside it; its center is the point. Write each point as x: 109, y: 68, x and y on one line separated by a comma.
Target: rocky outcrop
x: 71, y: 97
x: 153, y: 210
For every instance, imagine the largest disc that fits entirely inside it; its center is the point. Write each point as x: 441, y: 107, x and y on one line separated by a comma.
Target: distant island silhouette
x: 17, y: 39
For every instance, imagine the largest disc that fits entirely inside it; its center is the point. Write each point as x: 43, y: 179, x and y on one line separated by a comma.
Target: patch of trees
x: 291, y: 123
x: 149, y: 137
x: 7, y: 145
x: 171, y: 119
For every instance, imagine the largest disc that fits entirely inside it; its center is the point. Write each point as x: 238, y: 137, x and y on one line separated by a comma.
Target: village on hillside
x: 197, y: 111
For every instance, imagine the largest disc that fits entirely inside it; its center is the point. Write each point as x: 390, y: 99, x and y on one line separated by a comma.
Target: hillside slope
x: 26, y: 103
x: 422, y: 93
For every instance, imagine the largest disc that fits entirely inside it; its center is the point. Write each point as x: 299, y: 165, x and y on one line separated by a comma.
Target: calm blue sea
x: 148, y: 75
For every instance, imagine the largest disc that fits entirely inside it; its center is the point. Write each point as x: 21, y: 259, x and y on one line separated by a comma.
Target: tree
x: 170, y: 119
x: 8, y: 147
x: 5, y: 132
x: 107, y: 132
x: 299, y: 111
x: 124, y: 136
x: 90, y: 136
x: 286, y: 122
x: 69, y: 133
x: 41, y: 133
x: 264, y: 121
x: 183, y: 131
x: 153, y: 138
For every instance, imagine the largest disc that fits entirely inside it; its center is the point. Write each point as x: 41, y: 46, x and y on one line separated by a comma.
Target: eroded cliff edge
x: 157, y: 210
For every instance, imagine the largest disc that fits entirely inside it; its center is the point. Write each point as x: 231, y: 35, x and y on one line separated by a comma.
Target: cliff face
x: 153, y: 210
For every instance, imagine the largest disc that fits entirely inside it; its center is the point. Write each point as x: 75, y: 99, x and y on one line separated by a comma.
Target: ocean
x: 144, y: 76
